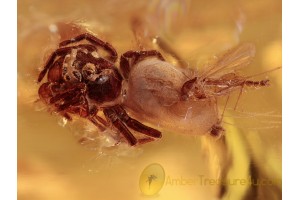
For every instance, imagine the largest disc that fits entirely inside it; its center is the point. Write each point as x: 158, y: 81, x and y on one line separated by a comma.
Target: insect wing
x: 234, y: 59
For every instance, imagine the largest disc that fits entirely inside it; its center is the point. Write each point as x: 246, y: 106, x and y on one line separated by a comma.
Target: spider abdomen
x: 154, y: 94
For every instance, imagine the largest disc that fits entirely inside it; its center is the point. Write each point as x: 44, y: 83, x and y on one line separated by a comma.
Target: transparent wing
x: 232, y: 60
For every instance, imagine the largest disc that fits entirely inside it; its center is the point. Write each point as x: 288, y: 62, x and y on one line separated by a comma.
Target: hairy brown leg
x: 134, y: 124
x: 88, y: 58
x: 89, y: 47
x: 73, y: 99
x: 76, y: 106
x: 50, y: 92
x: 51, y: 59
x: 62, y: 52
x: 94, y: 40
x: 113, y: 118
x: 97, y: 124
x: 65, y: 95
x: 55, y: 71
x: 93, y: 111
x: 130, y: 58
x: 83, y: 109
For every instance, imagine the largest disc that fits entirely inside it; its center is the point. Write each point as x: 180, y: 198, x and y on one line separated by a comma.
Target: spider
x: 82, y: 82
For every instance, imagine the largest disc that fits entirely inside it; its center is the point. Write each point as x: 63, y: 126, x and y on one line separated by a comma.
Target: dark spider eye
x: 88, y: 71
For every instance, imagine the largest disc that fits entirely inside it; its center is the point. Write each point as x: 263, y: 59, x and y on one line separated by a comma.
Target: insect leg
x: 130, y: 58
x: 94, y: 40
x: 112, y: 116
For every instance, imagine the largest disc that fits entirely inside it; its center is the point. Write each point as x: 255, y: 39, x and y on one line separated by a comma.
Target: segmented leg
x: 51, y: 59
x: 94, y: 40
x: 130, y: 58
x: 134, y: 124
x: 113, y: 118
x: 83, y: 109
x: 146, y: 41
x: 62, y: 52
x: 97, y: 124
x: 93, y: 114
x: 88, y: 58
x: 120, y: 119
x: 55, y: 71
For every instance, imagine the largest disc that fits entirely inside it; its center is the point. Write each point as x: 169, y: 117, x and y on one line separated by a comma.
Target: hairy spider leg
x: 112, y: 116
x: 84, y: 111
x: 118, y: 116
x: 134, y: 124
x: 146, y: 41
x: 72, y: 100
x: 47, y: 91
x: 62, y: 100
x: 62, y: 52
x: 51, y: 59
x: 89, y: 58
x: 97, y: 124
x: 94, y: 40
x: 96, y: 119
x: 130, y: 58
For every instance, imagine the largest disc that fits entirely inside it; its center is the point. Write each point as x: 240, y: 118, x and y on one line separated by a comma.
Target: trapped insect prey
x: 83, y: 82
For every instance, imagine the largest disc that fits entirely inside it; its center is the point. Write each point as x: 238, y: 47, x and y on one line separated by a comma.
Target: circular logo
x: 152, y: 179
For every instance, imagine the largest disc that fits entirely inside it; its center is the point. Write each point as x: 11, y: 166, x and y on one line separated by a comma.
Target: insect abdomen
x: 261, y: 83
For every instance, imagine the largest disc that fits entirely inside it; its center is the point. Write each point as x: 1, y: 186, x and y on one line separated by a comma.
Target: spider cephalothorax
x: 82, y: 82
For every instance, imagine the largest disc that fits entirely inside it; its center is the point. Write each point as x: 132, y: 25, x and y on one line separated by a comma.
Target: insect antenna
x: 261, y: 83
x: 262, y: 73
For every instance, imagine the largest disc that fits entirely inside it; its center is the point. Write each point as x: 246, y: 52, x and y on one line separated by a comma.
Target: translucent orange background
x: 52, y: 165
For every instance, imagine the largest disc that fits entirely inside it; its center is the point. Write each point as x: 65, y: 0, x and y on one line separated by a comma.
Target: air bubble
x: 53, y: 28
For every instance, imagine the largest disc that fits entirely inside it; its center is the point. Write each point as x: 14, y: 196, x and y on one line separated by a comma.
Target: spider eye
x: 67, y: 77
x: 88, y: 71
